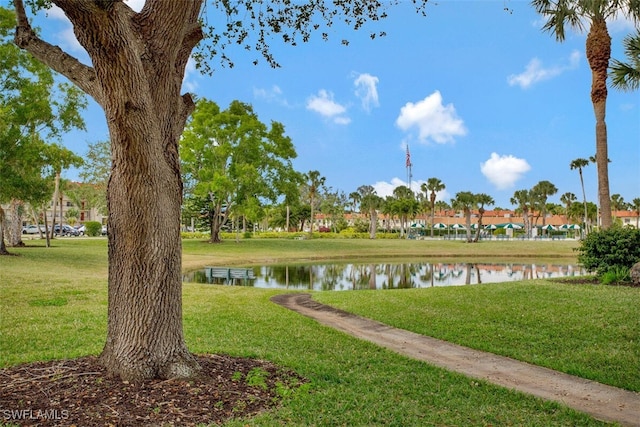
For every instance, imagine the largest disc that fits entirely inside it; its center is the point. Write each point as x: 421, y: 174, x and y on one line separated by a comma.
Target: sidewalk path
x: 600, y: 401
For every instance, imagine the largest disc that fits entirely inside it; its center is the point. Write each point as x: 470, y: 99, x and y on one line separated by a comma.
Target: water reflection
x: 356, y: 276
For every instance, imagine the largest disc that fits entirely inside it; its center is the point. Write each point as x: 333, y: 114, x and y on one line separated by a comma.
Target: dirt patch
x: 601, y: 401
x: 78, y: 393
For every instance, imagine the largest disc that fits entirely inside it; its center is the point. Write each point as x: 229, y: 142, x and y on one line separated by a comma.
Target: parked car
x: 80, y: 229
x: 67, y: 230
x: 32, y: 229
x: 104, y: 230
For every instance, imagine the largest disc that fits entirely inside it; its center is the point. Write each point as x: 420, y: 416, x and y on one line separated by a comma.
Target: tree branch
x: 81, y: 75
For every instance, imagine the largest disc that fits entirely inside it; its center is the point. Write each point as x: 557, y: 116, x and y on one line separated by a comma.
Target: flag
x: 408, y: 157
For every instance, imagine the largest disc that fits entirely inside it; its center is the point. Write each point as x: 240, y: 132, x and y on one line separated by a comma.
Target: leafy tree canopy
x: 232, y: 159
x: 34, y: 110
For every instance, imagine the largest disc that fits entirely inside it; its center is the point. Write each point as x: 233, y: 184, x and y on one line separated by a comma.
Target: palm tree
x: 388, y: 209
x: 405, y: 205
x: 433, y: 185
x: 626, y: 76
x: 370, y: 202
x: 315, y: 183
x: 482, y: 199
x: 618, y: 203
x: 442, y: 205
x: 541, y: 192
x: 522, y: 199
x: 568, y: 199
x: 577, y: 14
x: 355, y: 198
x: 464, y: 201
x: 580, y: 163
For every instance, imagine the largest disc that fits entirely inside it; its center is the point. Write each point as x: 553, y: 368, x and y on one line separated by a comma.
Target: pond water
x: 365, y: 275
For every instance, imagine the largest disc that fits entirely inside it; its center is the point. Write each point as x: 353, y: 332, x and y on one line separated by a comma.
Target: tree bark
x: 3, y: 247
x: 138, y: 66
x: 598, y: 54
x: 15, y: 224
x: 54, y: 210
x: 373, y: 224
x: 432, y: 199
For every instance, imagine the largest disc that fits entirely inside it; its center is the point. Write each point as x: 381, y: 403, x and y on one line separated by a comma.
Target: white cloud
x: 535, y: 71
x: 273, y: 94
x: 434, y: 121
x: 324, y: 105
x: 367, y: 91
x: 65, y: 37
x: 504, y: 171
x: 342, y: 120
x: 384, y: 189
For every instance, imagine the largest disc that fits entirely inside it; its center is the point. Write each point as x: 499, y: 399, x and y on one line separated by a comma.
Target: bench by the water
x: 229, y: 274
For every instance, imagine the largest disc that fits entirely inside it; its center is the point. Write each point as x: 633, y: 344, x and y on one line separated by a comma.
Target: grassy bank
x: 198, y: 253
x: 53, y: 305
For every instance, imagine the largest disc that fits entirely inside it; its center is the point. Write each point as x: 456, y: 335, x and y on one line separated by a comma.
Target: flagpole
x: 408, y: 164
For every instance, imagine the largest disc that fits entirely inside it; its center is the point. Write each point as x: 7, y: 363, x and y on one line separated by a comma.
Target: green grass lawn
x: 53, y: 306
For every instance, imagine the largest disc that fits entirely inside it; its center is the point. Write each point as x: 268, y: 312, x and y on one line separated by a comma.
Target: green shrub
x: 352, y: 233
x: 195, y: 235
x: 361, y: 226
x: 607, y: 250
x: 92, y: 228
x: 616, y: 275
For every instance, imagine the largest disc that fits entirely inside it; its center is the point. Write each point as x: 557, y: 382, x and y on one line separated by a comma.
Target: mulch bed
x: 79, y: 393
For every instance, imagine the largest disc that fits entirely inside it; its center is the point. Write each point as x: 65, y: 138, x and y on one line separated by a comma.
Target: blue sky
x: 484, y: 100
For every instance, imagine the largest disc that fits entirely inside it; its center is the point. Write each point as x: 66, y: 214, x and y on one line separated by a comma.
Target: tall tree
x: 370, y: 202
x: 234, y: 161
x: 465, y: 201
x: 60, y: 159
x: 433, y: 185
x: 481, y: 201
x: 626, y: 75
x: 442, y: 205
x: 355, y: 198
x: 579, y: 164
x: 138, y: 62
x: 34, y: 109
x: 333, y: 206
x: 404, y: 205
x: 315, y: 184
x: 568, y: 199
x: 95, y: 174
x: 594, y: 13
x: 523, y: 199
x: 541, y: 192
x: 618, y: 203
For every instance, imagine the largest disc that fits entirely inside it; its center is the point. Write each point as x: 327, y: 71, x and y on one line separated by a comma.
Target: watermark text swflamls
x: 33, y: 414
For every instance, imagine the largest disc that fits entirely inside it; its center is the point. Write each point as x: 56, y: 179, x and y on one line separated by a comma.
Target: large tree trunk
x: 217, y: 219
x: 138, y: 66
x: 599, y: 54
x: 311, y: 221
x: 15, y: 224
x: 432, y: 199
x: 3, y: 247
x: 373, y: 224
x: 54, y: 210
x: 584, y: 202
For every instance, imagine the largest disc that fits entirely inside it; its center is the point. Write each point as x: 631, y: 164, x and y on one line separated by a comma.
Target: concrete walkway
x: 600, y: 401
